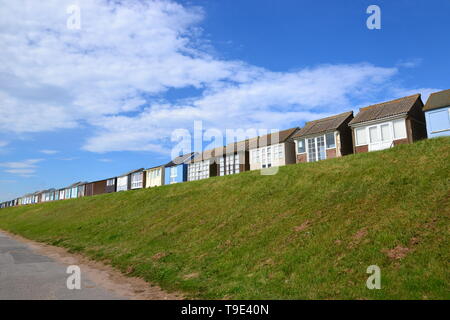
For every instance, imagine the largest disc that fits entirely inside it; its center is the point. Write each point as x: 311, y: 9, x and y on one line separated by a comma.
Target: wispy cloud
x: 105, y: 160
x: 3, y: 143
x: 47, y: 151
x: 425, y: 92
x: 114, y: 67
x: 7, y: 181
x: 68, y: 159
x: 25, y: 168
x: 409, y: 63
x: 271, y: 100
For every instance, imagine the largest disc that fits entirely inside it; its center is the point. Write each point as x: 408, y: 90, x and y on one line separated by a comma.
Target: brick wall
x: 331, y: 153
x: 400, y: 141
x: 364, y: 148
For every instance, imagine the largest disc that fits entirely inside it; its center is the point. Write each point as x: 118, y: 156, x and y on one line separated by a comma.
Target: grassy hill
x: 309, y: 231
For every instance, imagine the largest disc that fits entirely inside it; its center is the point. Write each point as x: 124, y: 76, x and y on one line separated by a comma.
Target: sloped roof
x: 275, y: 137
x: 438, y: 100
x: 237, y: 146
x: 386, y: 109
x: 73, y: 185
x: 151, y: 168
x: 76, y: 184
x: 95, y: 181
x: 132, y: 171
x: 181, y: 159
x: 205, y: 155
x: 323, y: 125
x: 220, y: 151
x: 209, y: 154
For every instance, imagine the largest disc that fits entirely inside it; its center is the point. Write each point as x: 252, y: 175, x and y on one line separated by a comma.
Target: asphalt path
x: 28, y: 275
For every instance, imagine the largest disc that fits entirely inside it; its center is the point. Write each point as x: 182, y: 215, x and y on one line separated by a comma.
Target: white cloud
x: 3, y: 143
x: 22, y: 172
x: 425, y: 92
x: 409, y: 63
x: 47, y: 151
x: 25, y: 168
x: 68, y: 159
x: 62, y: 76
x: 272, y: 101
x: 128, y: 54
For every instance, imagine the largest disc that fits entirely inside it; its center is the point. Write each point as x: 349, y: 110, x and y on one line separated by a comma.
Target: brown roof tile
x: 323, y: 125
x: 385, y: 109
x: 275, y: 137
x: 266, y: 140
x: 185, y: 158
x: 438, y: 100
x: 205, y: 155
x: 237, y: 146
x: 132, y: 171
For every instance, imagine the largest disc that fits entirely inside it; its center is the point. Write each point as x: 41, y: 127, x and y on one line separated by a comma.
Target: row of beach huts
x: 375, y: 127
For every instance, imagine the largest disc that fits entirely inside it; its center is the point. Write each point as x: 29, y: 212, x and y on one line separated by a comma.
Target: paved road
x: 25, y: 274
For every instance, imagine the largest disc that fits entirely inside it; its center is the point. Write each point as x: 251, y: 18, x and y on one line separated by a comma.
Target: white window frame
x: 137, y: 180
x: 237, y: 163
x: 277, y: 151
x: 316, y: 148
x: 405, y: 131
x: 199, y: 170
x: 120, y: 185
x: 173, y: 172
x: 297, y: 142
x: 357, y: 142
x: 378, y: 126
x: 222, y: 166
x: 325, y: 138
x: 305, y: 143
x: 74, y: 192
x: 378, y: 133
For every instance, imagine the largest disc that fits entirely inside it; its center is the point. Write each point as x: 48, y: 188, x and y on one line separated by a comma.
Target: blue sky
x: 98, y: 101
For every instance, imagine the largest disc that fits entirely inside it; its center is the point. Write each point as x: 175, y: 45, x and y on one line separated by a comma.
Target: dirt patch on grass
x: 268, y: 262
x: 191, y: 276
x: 159, y: 256
x: 303, y: 226
x: 397, y: 253
x: 360, y: 234
x: 225, y: 244
x: 103, y: 275
x: 414, y: 241
x: 357, y: 237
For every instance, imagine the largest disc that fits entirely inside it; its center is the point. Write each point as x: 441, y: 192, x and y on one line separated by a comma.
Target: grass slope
x: 309, y: 231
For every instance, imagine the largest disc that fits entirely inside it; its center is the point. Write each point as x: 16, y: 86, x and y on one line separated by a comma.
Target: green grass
x: 308, y: 232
